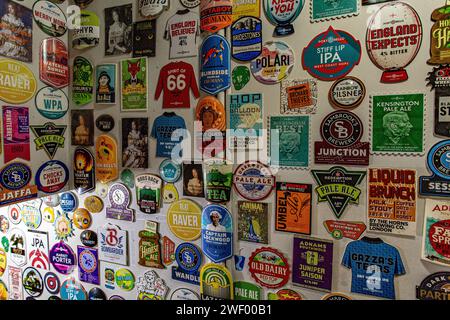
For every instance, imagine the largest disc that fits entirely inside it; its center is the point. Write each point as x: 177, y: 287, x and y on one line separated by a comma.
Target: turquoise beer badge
x: 329, y: 9
x: 397, y: 123
x: 289, y: 141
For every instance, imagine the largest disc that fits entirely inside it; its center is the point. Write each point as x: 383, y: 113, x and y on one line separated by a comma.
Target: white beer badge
x: 52, y: 176
x: 17, y: 247
x: 52, y: 103
x: 113, y: 245
x: 38, y: 249
x: 151, y: 9
x: 50, y: 18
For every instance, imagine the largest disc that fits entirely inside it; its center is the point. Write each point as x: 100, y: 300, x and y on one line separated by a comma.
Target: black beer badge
x: 83, y: 170
x: 438, y: 161
x: 338, y: 187
x: 49, y: 137
x: 439, y: 80
x: 341, y: 132
x: 434, y: 287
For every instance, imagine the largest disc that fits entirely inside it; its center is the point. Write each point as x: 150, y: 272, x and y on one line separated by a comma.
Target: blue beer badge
x: 69, y: 202
x: 189, y: 259
x: 282, y: 14
x: 246, y: 38
x: 438, y: 160
x: 71, y: 289
x: 217, y: 233
x: 215, y: 63
x: 170, y: 171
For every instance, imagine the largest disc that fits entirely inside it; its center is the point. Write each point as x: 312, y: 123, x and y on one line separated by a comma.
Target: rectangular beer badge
x: 134, y: 84
x: 326, y: 10
x: 16, y: 133
x: 253, y: 222
x: 392, y: 201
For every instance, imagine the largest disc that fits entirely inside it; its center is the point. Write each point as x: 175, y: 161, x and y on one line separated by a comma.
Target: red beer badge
x: 215, y: 14
x: 341, y: 132
x: 269, y: 267
x: 344, y: 229
x: 54, y: 63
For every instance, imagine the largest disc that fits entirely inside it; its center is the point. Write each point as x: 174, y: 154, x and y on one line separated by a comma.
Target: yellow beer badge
x: 94, y: 204
x: 2, y: 261
x: 170, y: 193
x: 106, y: 168
x: 17, y: 82
x: 3, y: 291
x: 49, y: 215
x: 82, y: 218
x: 184, y: 219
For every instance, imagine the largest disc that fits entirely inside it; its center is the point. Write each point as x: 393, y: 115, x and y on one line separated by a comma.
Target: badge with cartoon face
x: 82, y: 218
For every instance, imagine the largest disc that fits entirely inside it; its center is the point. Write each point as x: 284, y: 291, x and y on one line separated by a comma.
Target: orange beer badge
x: 106, y: 159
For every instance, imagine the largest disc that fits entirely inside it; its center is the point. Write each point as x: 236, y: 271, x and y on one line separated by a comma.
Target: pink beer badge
x: 54, y: 63
x: 16, y: 133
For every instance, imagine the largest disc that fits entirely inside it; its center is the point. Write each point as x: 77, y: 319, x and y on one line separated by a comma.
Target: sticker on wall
x: 342, y: 132
x: 135, y: 143
x: 217, y: 233
x: 253, y: 222
x: 436, y: 230
x: 82, y: 81
x: 331, y: 55
x: 49, y: 137
x: 88, y: 265
x: 31, y: 214
x: 63, y: 226
x: 62, y: 258
x: 51, y: 103
x: 269, y: 267
x: 397, y: 123
x: 282, y: 15
x: 245, y: 119
x: 392, y: 201
x: 316, y: 256
x: 32, y: 282
x: 50, y: 18
x: 215, y: 15
x: 289, y: 141
x: 106, y: 84
x: 113, y: 246
x: 439, y: 46
x: 184, y: 219
x: 347, y: 93
x: 437, y: 79
x: 17, y: 82
x: 189, y: 259
x: 246, y: 38
x: 322, y: 10
x: 152, y: 9
x: 240, y: 76
x: 298, y: 96
x: 253, y: 180
x: 184, y: 294
x: 393, y: 39
x: 134, y: 84
x: 144, y: 39
x: 218, y: 177
x: 15, y: 283
x: 106, y: 163
x: 83, y: 170
x: 88, y: 34
x: 215, y: 64
x: 151, y: 287
x: 69, y: 202
x: 127, y: 177
x: 16, y: 133
x: 148, y: 192
x: 338, y: 187
x: 52, y: 176
x: 54, y: 63
x: 71, y: 289
x: 14, y: 181
x: 119, y: 199
x: 246, y: 291
x: 216, y: 282
x: 274, y: 64
x: 38, y: 249
x: 18, y: 247
x: 293, y: 207
x: 344, y: 229
x: 434, y: 287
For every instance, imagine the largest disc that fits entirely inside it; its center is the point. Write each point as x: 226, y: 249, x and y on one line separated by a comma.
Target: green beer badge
x: 397, y: 123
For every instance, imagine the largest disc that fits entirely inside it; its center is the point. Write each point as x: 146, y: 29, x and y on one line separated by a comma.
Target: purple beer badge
x: 62, y: 258
x: 341, y: 132
x: 312, y: 265
x: 88, y: 265
x: 16, y: 133
x: 119, y: 198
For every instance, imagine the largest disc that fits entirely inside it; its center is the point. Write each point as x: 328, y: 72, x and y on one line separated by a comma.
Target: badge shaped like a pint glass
x: 282, y: 14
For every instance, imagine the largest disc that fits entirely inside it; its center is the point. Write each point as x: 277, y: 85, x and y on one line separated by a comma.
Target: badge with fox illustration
x: 134, y: 84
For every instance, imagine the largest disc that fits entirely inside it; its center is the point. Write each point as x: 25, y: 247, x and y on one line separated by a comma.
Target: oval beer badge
x: 17, y: 82
x: 253, y: 180
x: 15, y: 176
x: 274, y: 64
x: 184, y: 219
x: 82, y: 81
x: 52, y: 176
x: 437, y: 185
x: 50, y: 18
x: 54, y: 63
x: 62, y: 258
x: 105, y: 123
x: 51, y: 103
x: 269, y: 267
x: 246, y: 38
x: 347, y: 93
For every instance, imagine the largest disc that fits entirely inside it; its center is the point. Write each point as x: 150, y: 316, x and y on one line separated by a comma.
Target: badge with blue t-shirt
x: 374, y: 264
x: 163, y: 128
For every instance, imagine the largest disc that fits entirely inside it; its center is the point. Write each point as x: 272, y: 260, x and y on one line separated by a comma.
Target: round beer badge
x: 336, y: 296
x: 184, y: 219
x: 190, y: 3
x: 82, y: 218
x: 4, y: 223
x: 347, y: 93
x: 72, y: 290
x: 274, y: 64
x: 69, y: 202
x: 52, y: 103
x: 94, y: 204
x: 184, y: 294
x: 211, y: 113
x: 170, y: 193
x: 3, y: 291
x: 63, y: 226
x: 52, y: 176
x: 253, y: 180
x: 125, y: 279
x: 14, y: 214
x: 105, y: 123
x: 341, y: 128
x: 31, y: 214
x: 52, y: 200
x: 188, y: 257
x: 32, y: 282
x: 50, y: 18
x: 89, y: 238
x: 285, y: 294
x: 269, y: 267
x: 97, y: 294
x: 49, y: 215
x: 170, y: 171
x: 62, y: 258
x: 15, y: 176
x: 438, y: 159
x: 19, y: 85
x: 52, y: 283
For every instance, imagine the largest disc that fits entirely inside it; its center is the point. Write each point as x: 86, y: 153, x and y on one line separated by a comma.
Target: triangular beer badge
x: 338, y: 187
x: 49, y: 137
